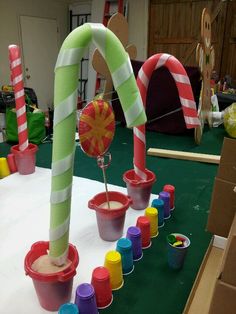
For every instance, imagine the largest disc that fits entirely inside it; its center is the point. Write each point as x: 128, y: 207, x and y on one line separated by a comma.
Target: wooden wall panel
x: 174, y: 27
x: 228, y: 62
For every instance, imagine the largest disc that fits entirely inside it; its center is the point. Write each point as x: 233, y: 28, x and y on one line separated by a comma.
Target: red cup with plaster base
x: 139, y: 191
x: 102, y: 286
x: 25, y: 160
x: 110, y: 221
x: 52, y: 289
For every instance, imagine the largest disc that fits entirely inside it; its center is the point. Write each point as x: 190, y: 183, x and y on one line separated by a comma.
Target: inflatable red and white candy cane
x: 185, y: 95
x: 17, y: 82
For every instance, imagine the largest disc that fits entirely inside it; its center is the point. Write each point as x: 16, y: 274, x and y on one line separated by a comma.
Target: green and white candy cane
x: 65, y: 99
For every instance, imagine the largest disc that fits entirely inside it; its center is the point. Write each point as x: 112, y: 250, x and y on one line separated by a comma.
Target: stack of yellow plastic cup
x: 152, y: 214
x: 4, y: 168
x: 113, y: 264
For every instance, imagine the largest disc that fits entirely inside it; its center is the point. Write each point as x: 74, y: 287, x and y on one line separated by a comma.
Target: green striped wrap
x: 65, y: 100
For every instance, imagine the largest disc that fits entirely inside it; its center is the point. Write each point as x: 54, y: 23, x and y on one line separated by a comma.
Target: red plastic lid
x: 169, y: 188
x: 31, y: 149
x: 96, y: 128
x: 100, y: 273
x: 143, y: 221
x: 129, y: 178
x: 41, y: 248
x: 100, y: 198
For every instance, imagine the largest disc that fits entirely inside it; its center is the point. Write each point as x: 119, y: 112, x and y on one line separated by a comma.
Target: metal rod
x: 103, y: 166
x: 105, y: 181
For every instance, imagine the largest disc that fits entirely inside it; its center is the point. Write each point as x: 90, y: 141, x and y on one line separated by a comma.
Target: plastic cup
x: 124, y: 247
x: 25, y: 160
x: 176, y: 255
x: 144, y: 224
x: 4, y: 168
x: 52, y: 289
x: 159, y: 205
x: 170, y: 189
x: 165, y: 196
x: 152, y: 214
x: 68, y: 308
x: 110, y: 222
x: 134, y: 234
x: 85, y: 299
x: 102, y: 286
x: 139, y: 191
x: 113, y: 264
x: 11, y: 163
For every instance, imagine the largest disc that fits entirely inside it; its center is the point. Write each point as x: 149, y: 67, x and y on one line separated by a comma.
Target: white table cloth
x: 24, y: 219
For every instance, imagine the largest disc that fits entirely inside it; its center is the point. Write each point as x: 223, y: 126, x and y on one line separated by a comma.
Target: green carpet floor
x: 153, y: 288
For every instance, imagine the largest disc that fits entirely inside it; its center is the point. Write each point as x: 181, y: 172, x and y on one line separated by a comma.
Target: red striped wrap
x: 17, y: 82
x: 185, y: 95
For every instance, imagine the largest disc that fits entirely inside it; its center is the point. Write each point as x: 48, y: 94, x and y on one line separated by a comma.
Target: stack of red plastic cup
x: 171, y: 190
x: 101, y: 283
x: 143, y: 223
x: 11, y: 163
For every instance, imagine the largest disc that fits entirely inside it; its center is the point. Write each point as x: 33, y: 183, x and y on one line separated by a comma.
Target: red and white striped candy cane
x: 17, y: 82
x: 185, y: 95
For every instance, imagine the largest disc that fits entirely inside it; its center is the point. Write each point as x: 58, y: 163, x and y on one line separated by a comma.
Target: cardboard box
x: 223, y: 207
x: 223, y: 202
x: 228, y: 273
x: 224, y: 299
x: 227, y: 166
x: 224, y: 294
x: 221, y: 222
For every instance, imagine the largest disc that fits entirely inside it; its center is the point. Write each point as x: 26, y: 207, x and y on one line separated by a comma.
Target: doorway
x: 80, y: 13
x: 40, y: 50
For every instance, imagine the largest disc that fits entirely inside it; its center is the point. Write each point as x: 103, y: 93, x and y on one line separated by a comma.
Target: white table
x: 24, y: 219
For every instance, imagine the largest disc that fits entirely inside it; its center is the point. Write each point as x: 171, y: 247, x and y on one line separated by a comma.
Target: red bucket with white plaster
x: 139, y: 191
x: 110, y: 221
x: 52, y: 289
x: 25, y: 160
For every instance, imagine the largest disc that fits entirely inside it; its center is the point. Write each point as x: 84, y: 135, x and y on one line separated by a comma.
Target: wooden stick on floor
x: 214, y: 159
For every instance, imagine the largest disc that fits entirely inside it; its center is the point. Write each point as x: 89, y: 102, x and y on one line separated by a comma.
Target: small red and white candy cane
x: 185, y: 95
x: 17, y: 82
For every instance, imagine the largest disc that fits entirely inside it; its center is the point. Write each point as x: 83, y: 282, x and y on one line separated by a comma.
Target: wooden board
x: 214, y: 159
x: 228, y: 64
x: 200, y: 297
x: 205, y: 57
x: 170, y: 20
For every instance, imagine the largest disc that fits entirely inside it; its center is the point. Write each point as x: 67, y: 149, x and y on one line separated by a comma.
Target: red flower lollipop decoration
x: 96, y: 130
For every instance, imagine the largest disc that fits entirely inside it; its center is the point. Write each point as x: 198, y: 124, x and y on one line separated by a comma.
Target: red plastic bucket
x: 110, y: 221
x: 139, y: 191
x: 52, y: 289
x: 25, y: 160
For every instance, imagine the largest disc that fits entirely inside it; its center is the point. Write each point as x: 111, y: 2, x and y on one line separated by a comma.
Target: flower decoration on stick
x: 96, y: 130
